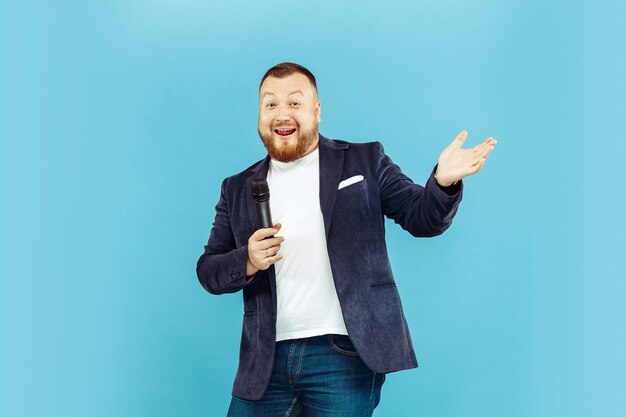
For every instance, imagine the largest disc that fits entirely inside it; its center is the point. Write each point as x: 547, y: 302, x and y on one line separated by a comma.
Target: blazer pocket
x: 359, y: 187
x: 383, y: 284
x: 349, y: 181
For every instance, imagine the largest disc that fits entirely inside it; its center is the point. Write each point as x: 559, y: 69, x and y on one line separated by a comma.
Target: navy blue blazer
x: 355, y: 235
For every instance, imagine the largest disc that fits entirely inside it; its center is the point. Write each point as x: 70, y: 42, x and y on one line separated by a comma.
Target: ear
x: 318, y: 111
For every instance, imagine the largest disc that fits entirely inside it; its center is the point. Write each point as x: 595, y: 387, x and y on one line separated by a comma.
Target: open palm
x: 456, y: 163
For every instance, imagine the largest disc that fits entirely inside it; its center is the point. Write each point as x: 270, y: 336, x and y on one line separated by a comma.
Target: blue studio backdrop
x: 119, y: 120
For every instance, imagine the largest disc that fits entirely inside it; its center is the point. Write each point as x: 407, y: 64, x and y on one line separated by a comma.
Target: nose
x: 283, y: 114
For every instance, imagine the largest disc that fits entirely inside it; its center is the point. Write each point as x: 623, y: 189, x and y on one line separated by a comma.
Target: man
x: 323, y: 322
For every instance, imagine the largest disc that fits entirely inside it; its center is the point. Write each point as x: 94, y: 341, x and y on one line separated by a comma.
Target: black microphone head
x: 260, y: 190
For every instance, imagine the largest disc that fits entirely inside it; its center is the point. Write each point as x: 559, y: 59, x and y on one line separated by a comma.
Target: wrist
x: 250, y: 269
x: 443, y: 182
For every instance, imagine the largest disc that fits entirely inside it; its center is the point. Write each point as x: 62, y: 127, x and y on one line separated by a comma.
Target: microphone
x: 261, y: 197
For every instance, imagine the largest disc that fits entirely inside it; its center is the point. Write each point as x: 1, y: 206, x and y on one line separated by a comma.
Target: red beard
x: 288, y: 153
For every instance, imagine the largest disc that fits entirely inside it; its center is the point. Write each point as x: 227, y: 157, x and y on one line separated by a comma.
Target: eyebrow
x: 293, y: 92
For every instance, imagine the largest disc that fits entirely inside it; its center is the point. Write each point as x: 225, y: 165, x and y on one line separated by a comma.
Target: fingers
x: 264, y: 258
x: 460, y: 138
x: 261, y: 234
x: 478, y: 162
x: 271, y: 251
x: 487, y: 152
x: 269, y: 242
x: 483, y: 150
x: 477, y: 167
x: 482, y: 146
x: 263, y: 247
x: 490, y: 142
x: 272, y: 259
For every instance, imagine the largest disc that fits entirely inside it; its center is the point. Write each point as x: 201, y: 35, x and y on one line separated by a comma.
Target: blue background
x: 119, y: 119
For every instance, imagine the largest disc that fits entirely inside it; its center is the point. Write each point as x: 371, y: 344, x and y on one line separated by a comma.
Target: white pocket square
x: 350, y: 181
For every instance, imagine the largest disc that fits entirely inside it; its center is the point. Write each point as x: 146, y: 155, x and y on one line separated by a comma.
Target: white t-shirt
x: 306, y: 295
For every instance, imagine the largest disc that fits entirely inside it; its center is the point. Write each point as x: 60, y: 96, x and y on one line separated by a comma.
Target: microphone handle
x: 263, y: 212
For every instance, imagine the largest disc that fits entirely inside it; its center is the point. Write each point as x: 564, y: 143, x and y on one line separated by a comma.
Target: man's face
x: 289, y: 112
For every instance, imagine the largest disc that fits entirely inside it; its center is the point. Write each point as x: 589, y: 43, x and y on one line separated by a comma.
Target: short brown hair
x: 285, y: 69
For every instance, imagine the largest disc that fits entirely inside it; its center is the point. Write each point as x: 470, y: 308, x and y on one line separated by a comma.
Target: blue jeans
x: 318, y: 376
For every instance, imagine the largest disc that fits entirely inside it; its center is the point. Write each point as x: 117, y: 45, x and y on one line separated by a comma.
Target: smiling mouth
x: 285, y: 131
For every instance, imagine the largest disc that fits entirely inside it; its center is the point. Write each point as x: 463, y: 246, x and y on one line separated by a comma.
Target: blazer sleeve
x: 222, y: 267
x: 422, y: 211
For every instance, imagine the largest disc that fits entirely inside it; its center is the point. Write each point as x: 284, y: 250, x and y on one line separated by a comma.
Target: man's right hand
x: 263, y: 249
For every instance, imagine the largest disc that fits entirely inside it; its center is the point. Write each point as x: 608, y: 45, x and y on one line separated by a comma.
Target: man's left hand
x: 456, y: 163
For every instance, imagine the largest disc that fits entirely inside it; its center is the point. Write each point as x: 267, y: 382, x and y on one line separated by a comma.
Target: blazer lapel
x: 331, y: 166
